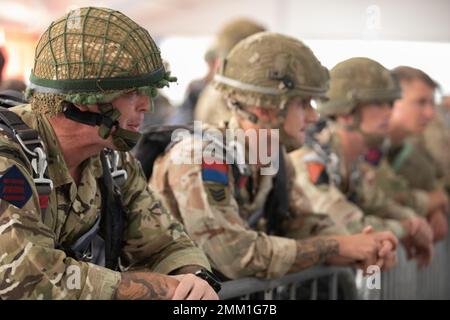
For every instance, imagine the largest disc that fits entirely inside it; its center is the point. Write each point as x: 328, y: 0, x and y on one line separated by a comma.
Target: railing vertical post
x: 333, y: 287
x: 292, y: 291
x: 314, y: 289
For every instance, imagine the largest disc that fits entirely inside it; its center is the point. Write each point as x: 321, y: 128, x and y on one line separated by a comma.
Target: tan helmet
x: 357, y: 81
x: 267, y: 69
x: 233, y: 32
x: 92, y: 56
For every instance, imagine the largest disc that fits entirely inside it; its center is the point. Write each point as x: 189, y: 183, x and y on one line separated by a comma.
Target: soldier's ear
x: 264, y: 113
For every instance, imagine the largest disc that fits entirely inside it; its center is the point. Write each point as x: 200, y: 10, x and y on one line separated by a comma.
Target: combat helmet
x: 92, y: 56
x: 234, y: 31
x: 358, y: 81
x: 267, y: 70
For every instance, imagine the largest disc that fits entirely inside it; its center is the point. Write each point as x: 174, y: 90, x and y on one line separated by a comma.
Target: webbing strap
x: 33, y: 148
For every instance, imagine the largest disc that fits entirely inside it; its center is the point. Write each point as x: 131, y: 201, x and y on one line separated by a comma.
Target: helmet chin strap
x: 288, y: 141
x: 372, y: 141
x: 107, y: 120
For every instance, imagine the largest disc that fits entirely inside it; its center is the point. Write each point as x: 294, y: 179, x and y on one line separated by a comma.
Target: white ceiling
x: 415, y: 20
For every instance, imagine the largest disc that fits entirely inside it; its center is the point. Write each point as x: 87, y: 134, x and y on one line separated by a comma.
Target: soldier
x: 185, y: 112
x: 331, y: 169
x: 410, y: 172
x: 88, y: 226
x: 211, y: 108
x: 436, y: 138
x: 236, y: 212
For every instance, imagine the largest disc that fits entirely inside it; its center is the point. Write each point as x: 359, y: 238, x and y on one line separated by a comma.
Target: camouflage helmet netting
x: 93, y: 55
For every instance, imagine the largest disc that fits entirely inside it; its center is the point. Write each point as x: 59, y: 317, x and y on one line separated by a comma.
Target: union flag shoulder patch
x: 213, y: 171
x: 14, y: 187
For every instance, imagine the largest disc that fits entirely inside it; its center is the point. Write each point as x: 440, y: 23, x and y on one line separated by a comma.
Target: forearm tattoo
x: 314, y: 251
x: 142, y: 286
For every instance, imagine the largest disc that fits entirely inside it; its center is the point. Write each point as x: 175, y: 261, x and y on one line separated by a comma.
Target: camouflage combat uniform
x: 216, y: 206
x: 352, y: 199
x: 31, y: 267
x: 212, y: 218
x: 435, y: 140
x: 406, y: 174
x: 32, y: 262
x: 348, y: 192
x: 211, y: 107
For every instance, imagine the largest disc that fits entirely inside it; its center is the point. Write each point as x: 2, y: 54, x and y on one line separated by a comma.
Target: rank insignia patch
x: 217, y: 193
x: 14, y: 187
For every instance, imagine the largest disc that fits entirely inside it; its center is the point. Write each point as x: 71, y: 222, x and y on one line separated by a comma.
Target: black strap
x: 90, y: 247
x: 277, y: 203
x: 86, y: 117
x: 113, y: 216
x: 155, y: 140
x: 23, y: 134
x: 11, y: 98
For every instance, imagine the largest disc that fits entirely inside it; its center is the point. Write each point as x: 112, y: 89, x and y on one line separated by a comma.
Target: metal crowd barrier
x: 339, y: 282
x: 405, y: 281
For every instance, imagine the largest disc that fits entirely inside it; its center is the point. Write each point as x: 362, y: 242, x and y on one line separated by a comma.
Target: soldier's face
x: 416, y: 107
x: 299, y: 115
x: 375, y: 118
x: 132, y: 107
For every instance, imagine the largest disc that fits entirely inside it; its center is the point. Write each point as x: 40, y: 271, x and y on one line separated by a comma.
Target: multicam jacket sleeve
x: 153, y: 237
x: 211, y: 217
x: 399, y: 190
x: 327, y: 198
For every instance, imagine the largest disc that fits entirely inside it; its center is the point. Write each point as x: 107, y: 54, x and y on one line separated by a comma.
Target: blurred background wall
x: 401, y: 32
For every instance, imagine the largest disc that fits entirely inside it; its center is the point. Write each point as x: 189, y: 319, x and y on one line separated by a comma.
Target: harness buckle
x: 39, y: 164
x: 112, y: 161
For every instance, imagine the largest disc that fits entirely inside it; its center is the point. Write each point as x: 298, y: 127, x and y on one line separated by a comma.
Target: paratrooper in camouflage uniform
x: 331, y: 167
x: 238, y: 215
x: 93, y: 66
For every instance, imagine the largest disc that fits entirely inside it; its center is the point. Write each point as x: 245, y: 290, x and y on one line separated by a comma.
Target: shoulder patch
x: 317, y: 173
x: 373, y: 156
x: 215, y: 172
x: 217, y: 193
x: 14, y: 187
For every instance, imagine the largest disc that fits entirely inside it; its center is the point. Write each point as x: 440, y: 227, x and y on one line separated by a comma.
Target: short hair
x: 409, y: 74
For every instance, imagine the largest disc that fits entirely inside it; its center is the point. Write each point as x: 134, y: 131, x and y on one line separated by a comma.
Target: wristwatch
x: 209, y: 277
